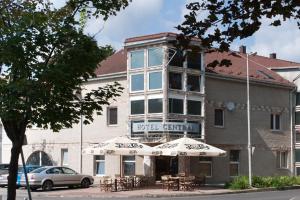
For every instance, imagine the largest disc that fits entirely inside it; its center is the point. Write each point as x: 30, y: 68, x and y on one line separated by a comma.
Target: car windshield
x: 38, y: 170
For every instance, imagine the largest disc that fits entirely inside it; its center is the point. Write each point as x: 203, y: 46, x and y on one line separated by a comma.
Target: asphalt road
x: 273, y: 195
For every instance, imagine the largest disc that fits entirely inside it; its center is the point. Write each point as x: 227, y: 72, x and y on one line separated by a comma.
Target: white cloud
x: 139, y: 18
x: 283, y: 40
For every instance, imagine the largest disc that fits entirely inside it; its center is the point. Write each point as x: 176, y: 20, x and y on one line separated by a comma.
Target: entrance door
x: 165, y: 165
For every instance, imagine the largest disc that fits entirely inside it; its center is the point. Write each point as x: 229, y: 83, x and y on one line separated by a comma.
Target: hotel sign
x: 167, y: 126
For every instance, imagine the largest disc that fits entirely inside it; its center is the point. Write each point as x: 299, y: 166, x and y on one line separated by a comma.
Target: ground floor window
x: 129, y: 165
x: 39, y: 158
x: 64, y: 157
x: 282, y: 159
x: 298, y: 171
x: 99, y: 165
x: 205, y: 166
x: 297, y: 155
x: 234, y: 162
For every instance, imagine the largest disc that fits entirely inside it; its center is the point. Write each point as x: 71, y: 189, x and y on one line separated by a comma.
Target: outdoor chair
x: 106, y: 184
x: 167, y: 182
x: 199, y: 181
x: 186, y: 183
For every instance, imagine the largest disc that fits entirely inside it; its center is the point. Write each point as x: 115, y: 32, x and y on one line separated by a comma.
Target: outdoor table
x: 123, y: 183
x: 176, y: 179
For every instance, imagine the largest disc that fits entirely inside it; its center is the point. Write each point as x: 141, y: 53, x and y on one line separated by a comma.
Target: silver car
x: 53, y: 176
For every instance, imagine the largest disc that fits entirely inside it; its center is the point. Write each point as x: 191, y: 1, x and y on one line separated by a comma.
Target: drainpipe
x: 292, y: 127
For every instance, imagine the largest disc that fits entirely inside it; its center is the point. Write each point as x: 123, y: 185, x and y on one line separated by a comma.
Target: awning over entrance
x: 188, y: 147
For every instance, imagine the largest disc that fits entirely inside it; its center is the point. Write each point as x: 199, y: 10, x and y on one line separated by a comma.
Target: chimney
x: 273, y: 55
x: 243, y: 49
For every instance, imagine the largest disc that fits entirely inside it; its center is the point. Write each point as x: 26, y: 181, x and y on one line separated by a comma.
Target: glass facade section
x: 176, y: 58
x: 137, y: 82
x: 176, y: 106
x: 137, y: 107
x: 155, y: 80
x: 193, y: 83
x: 155, y: 56
x: 193, y: 107
x: 137, y: 59
x: 194, y: 60
x: 175, y: 81
x: 155, y: 106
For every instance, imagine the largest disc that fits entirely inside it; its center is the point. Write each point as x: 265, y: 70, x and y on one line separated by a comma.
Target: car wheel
x: 85, y: 183
x: 47, y: 186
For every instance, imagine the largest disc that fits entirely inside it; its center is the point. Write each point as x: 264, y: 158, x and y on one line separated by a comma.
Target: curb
x: 149, y: 195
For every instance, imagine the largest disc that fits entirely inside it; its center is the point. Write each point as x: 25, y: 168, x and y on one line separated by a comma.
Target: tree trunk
x: 15, y: 130
x: 13, y: 171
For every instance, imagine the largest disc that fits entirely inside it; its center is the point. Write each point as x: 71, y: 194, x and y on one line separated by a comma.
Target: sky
x: 144, y: 17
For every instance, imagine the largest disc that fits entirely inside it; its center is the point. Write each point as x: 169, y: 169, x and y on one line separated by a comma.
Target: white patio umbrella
x: 121, y: 145
x: 188, y: 147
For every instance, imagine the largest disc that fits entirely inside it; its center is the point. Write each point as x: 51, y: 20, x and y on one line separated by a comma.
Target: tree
x: 45, y: 58
x: 229, y: 20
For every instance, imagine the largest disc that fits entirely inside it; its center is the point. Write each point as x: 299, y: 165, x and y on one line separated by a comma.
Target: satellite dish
x: 230, y: 106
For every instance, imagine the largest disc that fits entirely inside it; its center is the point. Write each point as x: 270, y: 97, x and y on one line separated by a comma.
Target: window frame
x: 148, y: 57
x: 136, y: 91
x: 137, y: 68
x: 273, y: 118
x: 148, y: 76
x: 223, y: 118
x: 143, y: 106
x: 108, y: 115
x: 280, y: 165
x: 181, y: 74
x: 128, y: 161
x: 62, y: 151
x: 96, y: 161
x: 207, y: 162
x: 232, y: 162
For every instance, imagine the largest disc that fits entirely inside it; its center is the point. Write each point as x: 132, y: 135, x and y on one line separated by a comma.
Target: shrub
x: 239, y: 183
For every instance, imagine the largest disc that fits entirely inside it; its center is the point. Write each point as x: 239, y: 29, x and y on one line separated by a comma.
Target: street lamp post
x: 248, y: 128
x: 79, y: 95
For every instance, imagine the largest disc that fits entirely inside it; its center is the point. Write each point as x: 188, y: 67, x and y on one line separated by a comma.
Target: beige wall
x: 264, y: 100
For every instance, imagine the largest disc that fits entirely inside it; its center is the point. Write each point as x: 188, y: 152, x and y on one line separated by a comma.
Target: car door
x: 72, y: 177
x: 56, y: 175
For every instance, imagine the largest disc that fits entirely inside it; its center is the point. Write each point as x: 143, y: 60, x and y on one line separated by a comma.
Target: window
x: 193, y: 83
x: 54, y: 170
x: 68, y: 170
x: 64, y: 157
x: 177, y: 59
x: 137, y: 59
x: 137, y: 107
x: 275, y: 121
x: 193, y: 107
x: 112, y: 116
x: 129, y: 165
x: 219, y: 117
x: 195, y: 134
x: 176, y: 106
x: 297, y: 118
x: 282, y: 159
x: 155, y: 56
x: 205, y: 166
x: 297, y: 155
x: 234, y: 158
x: 137, y: 82
x: 175, y: 81
x: 298, y: 99
x: 136, y: 134
x: 155, y: 80
x: 297, y: 136
x: 155, y: 106
x: 298, y: 171
x: 99, y: 165
x: 193, y: 60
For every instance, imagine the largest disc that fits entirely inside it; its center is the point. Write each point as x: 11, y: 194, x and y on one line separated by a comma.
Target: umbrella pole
x: 121, y: 166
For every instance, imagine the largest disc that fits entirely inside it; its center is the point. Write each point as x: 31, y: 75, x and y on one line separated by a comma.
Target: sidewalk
x: 95, y: 192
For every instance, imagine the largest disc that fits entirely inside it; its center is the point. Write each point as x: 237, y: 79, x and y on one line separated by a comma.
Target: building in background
x: 168, y: 90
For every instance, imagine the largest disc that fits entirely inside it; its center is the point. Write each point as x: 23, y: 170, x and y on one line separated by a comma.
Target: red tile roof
x: 113, y: 64
x: 258, y: 65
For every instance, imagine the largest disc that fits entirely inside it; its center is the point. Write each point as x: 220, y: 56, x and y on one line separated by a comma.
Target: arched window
x: 39, y: 158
